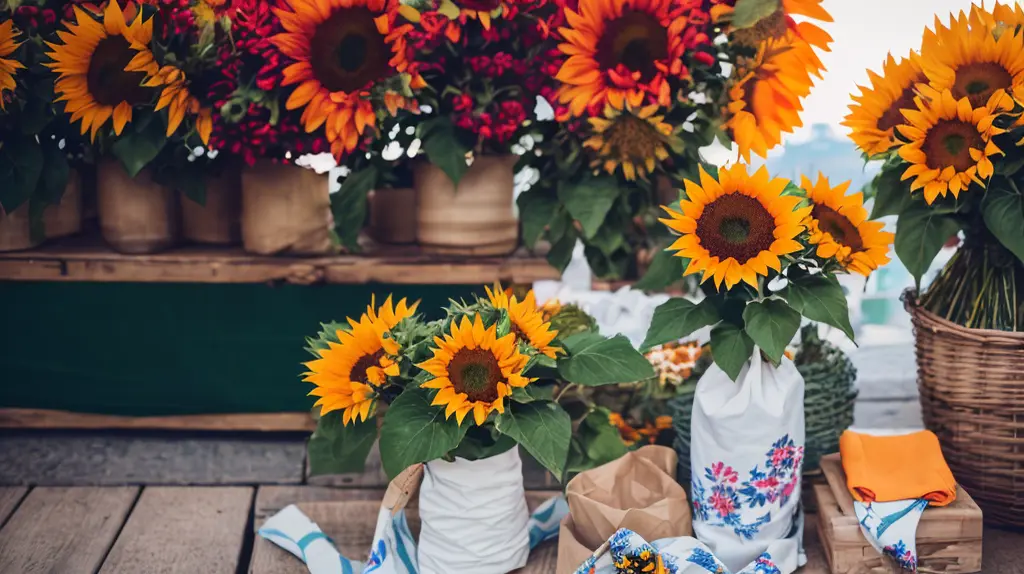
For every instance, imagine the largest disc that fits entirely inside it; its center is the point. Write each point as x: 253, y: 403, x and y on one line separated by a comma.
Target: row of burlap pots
x: 60, y: 220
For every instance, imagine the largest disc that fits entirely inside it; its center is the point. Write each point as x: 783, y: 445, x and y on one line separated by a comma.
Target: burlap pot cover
x: 285, y: 209
x: 65, y: 218
x: 137, y: 215
x: 15, y: 231
x: 393, y: 215
x: 218, y: 220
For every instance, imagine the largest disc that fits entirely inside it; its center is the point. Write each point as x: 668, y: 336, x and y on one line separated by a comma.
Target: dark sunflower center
x: 773, y: 26
x: 949, y: 143
x: 838, y: 226
x: 108, y: 83
x: 979, y: 81
x: 636, y: 40
x: 736, y: 226
x: 363, y: 364
x: 475, y: 372
x: 633, y: 137
x: 347, y: 52
x: 893, y: 116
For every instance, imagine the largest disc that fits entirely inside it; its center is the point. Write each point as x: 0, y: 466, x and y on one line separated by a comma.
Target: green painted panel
x: 163, y: 349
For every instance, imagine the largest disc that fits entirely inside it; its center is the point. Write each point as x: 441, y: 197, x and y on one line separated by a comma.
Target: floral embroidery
x: 706, y: 560
x: 904, y: 557
x: 764, y: 565
x: 780, y: 478
x: 588, y: 566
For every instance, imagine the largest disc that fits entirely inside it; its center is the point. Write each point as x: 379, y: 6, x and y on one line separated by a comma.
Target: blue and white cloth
x: 393, y: 550
x: 682, y: 555
x: 891, y: 527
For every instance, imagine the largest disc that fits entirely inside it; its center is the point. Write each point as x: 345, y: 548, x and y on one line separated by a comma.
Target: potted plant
x: 945, y: 124
x: 459, y: 394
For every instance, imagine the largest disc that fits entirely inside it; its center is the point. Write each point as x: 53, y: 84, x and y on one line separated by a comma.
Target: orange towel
x: 888, y: 468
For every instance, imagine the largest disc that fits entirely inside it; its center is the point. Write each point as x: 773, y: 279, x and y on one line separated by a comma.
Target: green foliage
x: 336, y: 448
x: 140, y: 143
x: 536, y: 210
x: 819, y: 298
x: 21, y: 163
x: 921, y: 231
x: 731, y: 348
x: 595, y: 442
x: 542, y: 427
x: 348, y: 205
x: 891, y: 195
x: 594, y: 361
x: 414, y: 432
x: 771, y: 324
x: 589, y: 201
x: 678, y: 318
x: 665, y: 269
x: 1003, y: 212
x: 441, y: 144
x: 750, y: 12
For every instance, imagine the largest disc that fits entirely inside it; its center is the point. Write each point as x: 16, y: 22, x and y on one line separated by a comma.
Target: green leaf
x: 533, y: 392
x: 53, y: 181
x: 771, y: 324
x: 21, y: 164
x: 750, y: 12
x: 665, y: 269
x: 136, y: 149
x: 588, y: 201
x: 602, y: 362
x: 441, y: 144
x: 820, y: 299
x: 731, y: 348
x: 543, y: 428
x: 536, y: 210
x: 561, y: 252
x: 892, y: 196
x: 601, y: 441
x: 921, y: 232
x: 348, y: 205
x: 1003, y: 210
x: 335, y: 448
x: 414, y: 432
x: 678, y: 318
x: 580, y: 341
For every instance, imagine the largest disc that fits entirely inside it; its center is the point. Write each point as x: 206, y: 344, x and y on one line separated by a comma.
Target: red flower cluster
x: 174, y: 19
x: 28, y: 17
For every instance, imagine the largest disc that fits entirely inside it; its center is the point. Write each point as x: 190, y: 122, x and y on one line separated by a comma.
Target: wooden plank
x: 88, y: 259
x: 181, y: 529
x: 67, y: 530
x: 271, y: 499
x: 54, y: 419
x: 9, y: 499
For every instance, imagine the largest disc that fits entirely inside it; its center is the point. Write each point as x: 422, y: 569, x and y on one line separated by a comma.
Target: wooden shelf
x: 53, y: 419
x: 89, y: 259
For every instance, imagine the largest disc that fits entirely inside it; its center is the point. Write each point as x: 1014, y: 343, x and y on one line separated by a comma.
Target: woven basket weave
x: 972, y: 396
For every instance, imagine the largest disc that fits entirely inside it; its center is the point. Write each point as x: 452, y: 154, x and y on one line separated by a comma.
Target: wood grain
x: 183, y: 530
x: 9, y: 499
x: 66, y: 530
x: 54, y: 419
x: 87, y: 259
x: 271, y: 499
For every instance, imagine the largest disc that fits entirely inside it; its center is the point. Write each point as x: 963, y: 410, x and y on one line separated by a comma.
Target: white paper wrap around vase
x: 474, y: 516
x: 747, y: 449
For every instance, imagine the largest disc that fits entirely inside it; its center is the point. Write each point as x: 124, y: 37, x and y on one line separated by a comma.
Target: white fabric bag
x: 747, y: 450
x: 474, y: 516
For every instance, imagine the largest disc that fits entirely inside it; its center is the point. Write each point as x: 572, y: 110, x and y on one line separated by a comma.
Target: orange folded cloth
x: 888, y: 468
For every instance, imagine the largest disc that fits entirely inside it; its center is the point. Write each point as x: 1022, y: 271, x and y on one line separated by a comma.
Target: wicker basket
x: 972, y: 396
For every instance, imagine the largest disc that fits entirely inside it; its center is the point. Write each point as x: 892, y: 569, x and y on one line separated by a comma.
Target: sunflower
x: 776, y: 25
x: 474, y: 370
x: 342, y: 49
x: 174, y: 95
x: 349, y: 374
x: 457, y: 13
x: 736, y: 228
x: 877, y: 110
x: 636, y: 141
x: 8, y: 67
x: 643, y: 561
x: 621, y: 51
x: 1002, y: 17
x: 839, y: 227
x: 91, y: 61
x: 528, y: 323
x: 949, y: 144
x: 972, y: 63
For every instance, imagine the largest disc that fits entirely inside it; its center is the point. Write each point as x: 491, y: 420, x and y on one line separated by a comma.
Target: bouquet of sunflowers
x: 946, y: 122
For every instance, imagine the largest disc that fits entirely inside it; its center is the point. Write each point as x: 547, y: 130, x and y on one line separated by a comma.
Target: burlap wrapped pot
x: 137, y: 215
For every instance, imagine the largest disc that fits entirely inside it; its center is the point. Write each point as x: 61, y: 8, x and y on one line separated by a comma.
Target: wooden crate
x: 948, y: 538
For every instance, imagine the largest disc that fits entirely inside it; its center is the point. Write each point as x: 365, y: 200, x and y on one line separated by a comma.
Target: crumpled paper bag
x: 637, y: 492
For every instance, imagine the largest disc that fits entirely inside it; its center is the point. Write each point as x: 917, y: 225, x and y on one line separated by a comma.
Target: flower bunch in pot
x: 41, y: 196
x: 946, y: 123
x: 461, y: 394
x: 640, y: 88
x: 767, y: 252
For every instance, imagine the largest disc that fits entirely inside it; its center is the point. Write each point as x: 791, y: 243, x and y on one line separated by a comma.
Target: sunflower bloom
x: 342, y: 49
x: 949, y: 144
x: 349, y: 374
x: 528, y: 323
x: 8, y: 67
x: 776, y: 25
x: 635, y: 141
x: 736, y: 228
x: 621, y: 51
x: 174, y: 94
x: 474, y: 370
x: 839, y: 227
x: 878, y: 109
x: 91, y: 61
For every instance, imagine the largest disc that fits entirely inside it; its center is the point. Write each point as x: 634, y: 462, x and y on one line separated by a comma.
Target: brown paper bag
x: 637, y: 491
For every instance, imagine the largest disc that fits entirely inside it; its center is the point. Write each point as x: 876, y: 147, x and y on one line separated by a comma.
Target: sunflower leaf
x: 336, y: 448
x: 543, y: 428
x: 921, y: 231
x: 678, y: 318
x: 594, y: 361
x: 750, y: 12
x: 533, y: 392
x: 536, y: 210
x: 137, y: 147
x: 21, y: 164
x: 348, y: 205
x: 1003, y: 210
x: 414, y: 432
x: 441, y: 144
x: 601, y: 441
x: 820, y: 299
x: 771, y: 324
x: 561, y: 251
x: 589, y: 201
x: 891, y: 196
x: 731, y: 348
x: 665, y: 269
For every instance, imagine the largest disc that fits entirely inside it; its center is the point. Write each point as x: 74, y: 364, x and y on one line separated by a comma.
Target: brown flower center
x: 633, y: 138
x: 736, y: 226
x: 893, y: 116
x: 475, y: 372
x: 363, y: 364
x: 347, y: 52
x: 636, y: 40
x: 949, y: 143
x: 838, y: 226
x: 977, y: 82
x: 108, y: 83
x: 774, y: 26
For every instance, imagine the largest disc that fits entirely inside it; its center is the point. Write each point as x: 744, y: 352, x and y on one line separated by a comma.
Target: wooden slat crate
x: 948, y: 538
